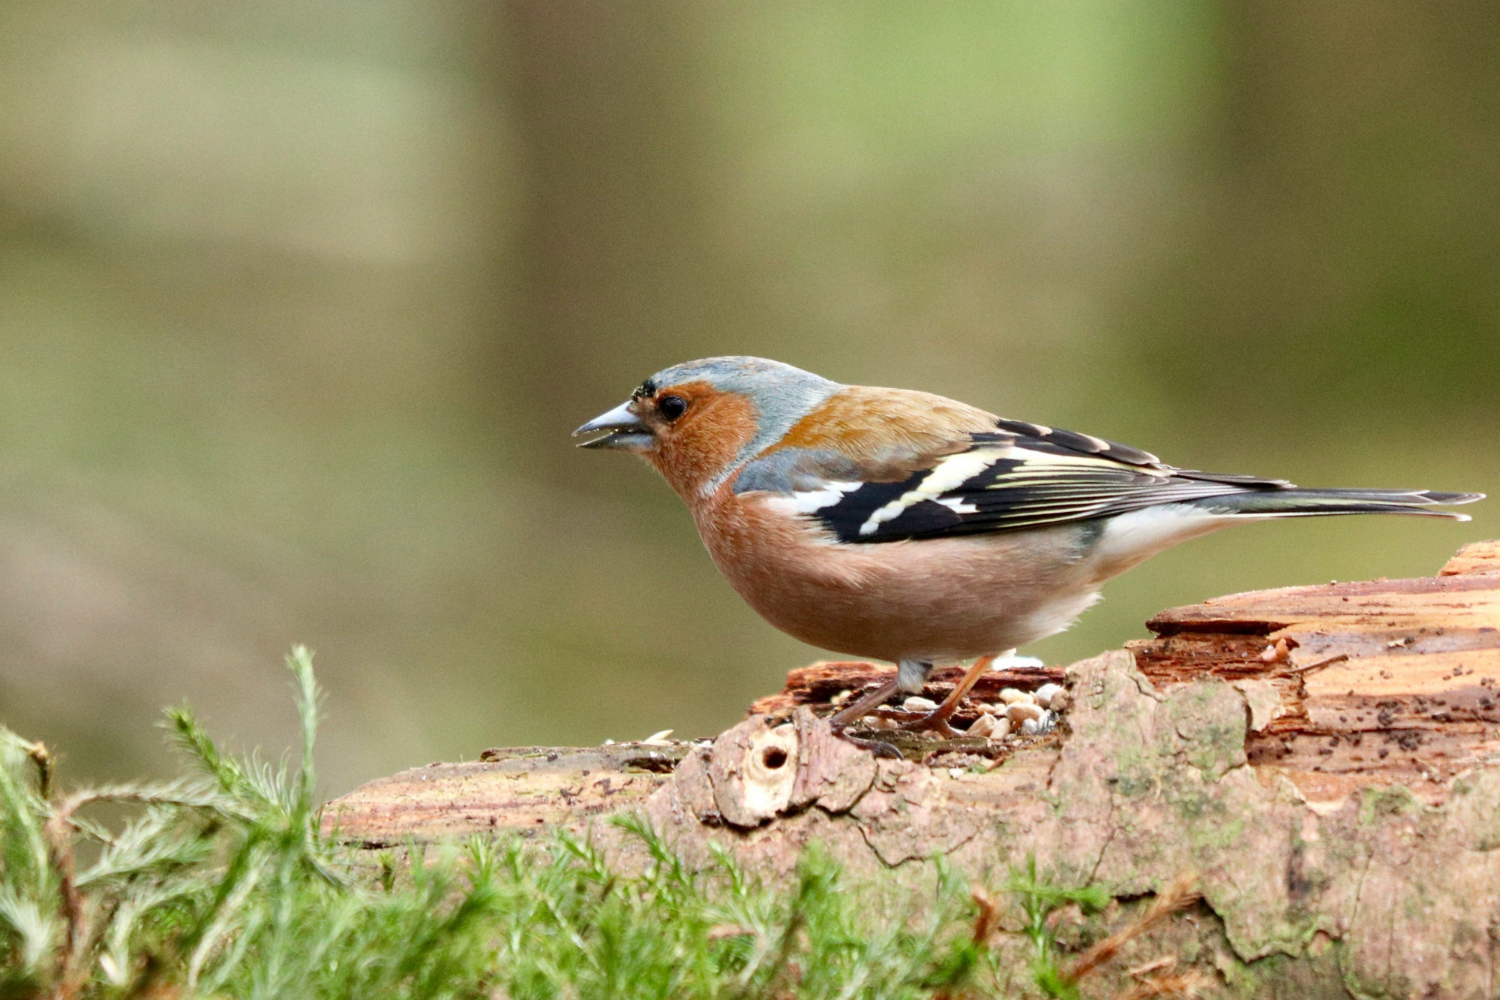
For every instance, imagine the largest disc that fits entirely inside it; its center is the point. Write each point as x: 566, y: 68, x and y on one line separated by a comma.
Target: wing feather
x: 1020, y: 475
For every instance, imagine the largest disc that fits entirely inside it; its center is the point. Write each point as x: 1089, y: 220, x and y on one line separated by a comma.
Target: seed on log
x: 1020, y: 712
x: 984, y: 726
x: 916, y: 703
x: 1039, y: 727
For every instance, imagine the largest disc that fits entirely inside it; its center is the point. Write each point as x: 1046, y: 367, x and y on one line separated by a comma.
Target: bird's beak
x: 626, y: 432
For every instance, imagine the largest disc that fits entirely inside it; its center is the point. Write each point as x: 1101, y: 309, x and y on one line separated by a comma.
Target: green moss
x: 1379, y: 804
x: 1210, y: 717
x: 1221, y: 834
x: 1136, y: 784
x: 1362, y: 987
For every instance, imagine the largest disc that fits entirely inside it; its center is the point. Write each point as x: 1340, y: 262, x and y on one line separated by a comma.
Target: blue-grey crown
x: 782, y: 395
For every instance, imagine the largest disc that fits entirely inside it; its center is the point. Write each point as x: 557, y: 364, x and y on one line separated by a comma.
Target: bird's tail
x: 1299, y: 502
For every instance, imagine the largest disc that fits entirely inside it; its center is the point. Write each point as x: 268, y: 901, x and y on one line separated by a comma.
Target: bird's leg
x: 938, y: 718
x: 864, y: 706
x: 861, y: 708
x: 910, y: 676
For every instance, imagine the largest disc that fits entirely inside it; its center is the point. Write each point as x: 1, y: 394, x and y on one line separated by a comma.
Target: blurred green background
x: 299, y: 302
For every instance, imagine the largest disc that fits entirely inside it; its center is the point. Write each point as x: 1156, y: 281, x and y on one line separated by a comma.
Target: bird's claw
x: 935, y: 721
x: 879, y: 748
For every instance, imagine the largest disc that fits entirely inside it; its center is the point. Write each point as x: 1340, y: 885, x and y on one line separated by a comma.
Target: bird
x: 899, y: 525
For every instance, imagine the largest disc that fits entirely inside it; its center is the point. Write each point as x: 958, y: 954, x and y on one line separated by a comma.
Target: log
x: 1320, y: 759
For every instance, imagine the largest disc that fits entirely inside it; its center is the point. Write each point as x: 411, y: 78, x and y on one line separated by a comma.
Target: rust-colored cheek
x: 706, y: 440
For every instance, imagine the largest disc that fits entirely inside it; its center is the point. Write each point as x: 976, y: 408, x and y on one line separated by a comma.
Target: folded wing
x: 1019, y: 475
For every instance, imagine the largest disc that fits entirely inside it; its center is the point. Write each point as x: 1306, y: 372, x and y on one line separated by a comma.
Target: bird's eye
x: 671, y: 407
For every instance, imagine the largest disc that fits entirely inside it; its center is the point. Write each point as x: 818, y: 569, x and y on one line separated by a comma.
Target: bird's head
x: 700, y: 421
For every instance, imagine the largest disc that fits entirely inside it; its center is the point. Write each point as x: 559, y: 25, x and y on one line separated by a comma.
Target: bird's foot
x: 879, y: 748
x: 935, y: 721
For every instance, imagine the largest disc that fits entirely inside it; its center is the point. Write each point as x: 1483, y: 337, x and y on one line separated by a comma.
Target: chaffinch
x: 904, y: 526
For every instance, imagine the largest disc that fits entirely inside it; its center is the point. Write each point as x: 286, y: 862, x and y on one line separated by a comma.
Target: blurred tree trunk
x: 1349, y: 251
x: 615, y: 162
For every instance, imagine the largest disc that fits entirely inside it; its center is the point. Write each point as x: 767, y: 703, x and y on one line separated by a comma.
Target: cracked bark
x: 1320, y: 756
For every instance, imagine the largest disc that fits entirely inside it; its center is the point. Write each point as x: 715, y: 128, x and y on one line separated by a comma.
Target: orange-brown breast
x: 940, y: 599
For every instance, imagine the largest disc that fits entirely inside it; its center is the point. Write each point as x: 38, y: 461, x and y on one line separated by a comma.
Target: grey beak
x: 626, y: 432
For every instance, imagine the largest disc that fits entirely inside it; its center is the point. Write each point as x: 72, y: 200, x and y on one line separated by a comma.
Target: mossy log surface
x: 1321, y: 758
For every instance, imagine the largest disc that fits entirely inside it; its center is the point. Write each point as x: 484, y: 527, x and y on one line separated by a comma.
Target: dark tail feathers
x: 1296, y: 502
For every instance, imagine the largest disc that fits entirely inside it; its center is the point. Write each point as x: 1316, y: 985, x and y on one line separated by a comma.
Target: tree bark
x: 1319, y: 758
